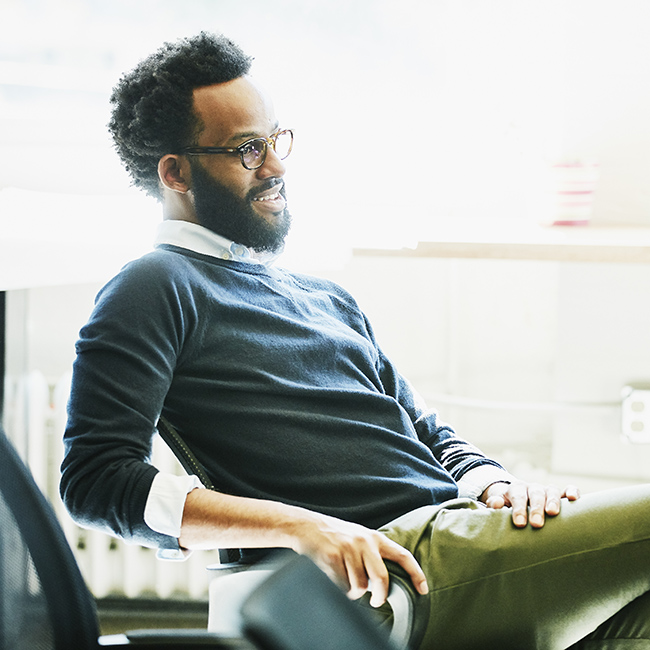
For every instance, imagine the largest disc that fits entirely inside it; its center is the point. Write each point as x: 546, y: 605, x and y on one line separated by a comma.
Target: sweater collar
x: 199, y: 239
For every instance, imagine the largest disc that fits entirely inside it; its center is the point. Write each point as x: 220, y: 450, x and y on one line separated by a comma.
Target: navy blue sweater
x: 274, y: 380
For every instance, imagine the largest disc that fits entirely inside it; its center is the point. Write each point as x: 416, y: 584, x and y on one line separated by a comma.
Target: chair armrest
x: 173, y: 639
x: 410, y: 609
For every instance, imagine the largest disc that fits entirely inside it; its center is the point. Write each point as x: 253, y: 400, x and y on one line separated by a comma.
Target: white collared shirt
x: 199, y: 239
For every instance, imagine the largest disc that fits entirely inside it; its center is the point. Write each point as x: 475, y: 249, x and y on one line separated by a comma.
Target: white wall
x: 43, y: 325
x: 538, y: 352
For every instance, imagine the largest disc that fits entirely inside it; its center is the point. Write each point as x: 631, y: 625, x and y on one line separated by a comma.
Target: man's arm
x: 350, y: 554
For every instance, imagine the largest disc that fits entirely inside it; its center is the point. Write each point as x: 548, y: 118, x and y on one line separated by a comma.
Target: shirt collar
x: 199, y: 239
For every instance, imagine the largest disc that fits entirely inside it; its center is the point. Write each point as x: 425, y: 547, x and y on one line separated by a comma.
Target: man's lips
x: 271, y: 198
x: 271, y: 194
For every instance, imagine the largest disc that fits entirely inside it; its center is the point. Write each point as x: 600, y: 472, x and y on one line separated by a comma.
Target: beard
x: 231, y: 216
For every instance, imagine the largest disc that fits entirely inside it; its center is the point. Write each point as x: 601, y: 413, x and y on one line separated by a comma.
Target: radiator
x: 35, y: 420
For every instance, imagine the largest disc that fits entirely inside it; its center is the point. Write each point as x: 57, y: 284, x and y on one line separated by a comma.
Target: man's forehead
x: 234, y: 108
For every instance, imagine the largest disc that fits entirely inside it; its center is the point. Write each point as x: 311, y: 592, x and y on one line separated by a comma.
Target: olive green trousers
x: 578, y: 582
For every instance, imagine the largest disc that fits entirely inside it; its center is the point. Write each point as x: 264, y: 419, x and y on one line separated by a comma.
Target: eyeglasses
x: 252, y: 152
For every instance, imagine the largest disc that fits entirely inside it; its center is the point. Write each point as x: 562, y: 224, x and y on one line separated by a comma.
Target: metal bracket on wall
x: 635, y: 413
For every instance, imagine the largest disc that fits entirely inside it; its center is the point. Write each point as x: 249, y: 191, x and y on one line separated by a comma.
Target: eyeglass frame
x: 270, y: 141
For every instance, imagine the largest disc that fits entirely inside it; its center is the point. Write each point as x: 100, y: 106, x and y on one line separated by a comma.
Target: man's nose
x: 273, y: 166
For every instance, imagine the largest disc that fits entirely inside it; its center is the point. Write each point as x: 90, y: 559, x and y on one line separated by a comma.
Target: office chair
x: 44, y: 601
x: 243, y: 571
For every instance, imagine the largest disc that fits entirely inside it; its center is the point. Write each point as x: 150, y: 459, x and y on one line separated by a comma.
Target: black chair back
x: 44, y: 601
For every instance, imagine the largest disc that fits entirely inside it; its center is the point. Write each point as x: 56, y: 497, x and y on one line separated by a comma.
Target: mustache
x: 266, y: 185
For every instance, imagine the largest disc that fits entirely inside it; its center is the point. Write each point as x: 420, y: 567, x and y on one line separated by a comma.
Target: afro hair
x: 152, y: 110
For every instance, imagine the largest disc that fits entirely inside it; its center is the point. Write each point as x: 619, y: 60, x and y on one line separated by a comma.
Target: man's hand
x: 354, y: 556
x: 529, y: 501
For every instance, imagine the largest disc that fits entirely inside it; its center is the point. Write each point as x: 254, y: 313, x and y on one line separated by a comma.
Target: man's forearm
x: 216, y: 520
x: 350, y: 554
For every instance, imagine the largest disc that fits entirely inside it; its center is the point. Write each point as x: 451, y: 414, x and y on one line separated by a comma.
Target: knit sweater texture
x: 274, y: 380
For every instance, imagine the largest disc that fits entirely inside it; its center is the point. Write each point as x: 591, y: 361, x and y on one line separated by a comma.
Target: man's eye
x: 252, y: 148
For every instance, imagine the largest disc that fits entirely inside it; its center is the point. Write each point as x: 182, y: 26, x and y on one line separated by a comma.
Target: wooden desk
x: 482, y: 239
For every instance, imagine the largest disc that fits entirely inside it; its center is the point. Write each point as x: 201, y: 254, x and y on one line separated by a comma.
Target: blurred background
x: 415, y: 121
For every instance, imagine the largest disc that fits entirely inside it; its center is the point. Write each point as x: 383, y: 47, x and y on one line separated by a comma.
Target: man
x: 313, y: 439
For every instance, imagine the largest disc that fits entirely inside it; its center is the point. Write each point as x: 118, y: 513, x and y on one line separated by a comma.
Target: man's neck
x: 178, y: 206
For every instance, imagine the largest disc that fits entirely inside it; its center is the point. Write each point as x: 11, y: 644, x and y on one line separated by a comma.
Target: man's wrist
x: 475, y: 482
x: 489, y: 491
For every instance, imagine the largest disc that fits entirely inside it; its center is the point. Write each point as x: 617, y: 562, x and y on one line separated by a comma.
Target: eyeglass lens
x: 254, y: 154
x: 283, y: 144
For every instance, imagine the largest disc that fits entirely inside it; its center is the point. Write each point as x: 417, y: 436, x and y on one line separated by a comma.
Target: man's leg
x: 495, y: 586
x: 628, y: 629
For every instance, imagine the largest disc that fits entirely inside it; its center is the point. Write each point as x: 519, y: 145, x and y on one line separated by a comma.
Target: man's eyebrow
x: 248, y: 135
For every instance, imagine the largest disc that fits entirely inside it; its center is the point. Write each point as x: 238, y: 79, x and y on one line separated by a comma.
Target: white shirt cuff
x: 163, y: 511
x: 475, y: 482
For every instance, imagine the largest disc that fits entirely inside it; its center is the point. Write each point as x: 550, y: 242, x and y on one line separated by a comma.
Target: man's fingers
x: 401, y: 556
x: 336, y: 569
x: 532, y: 503
x: 378, y: 580
x: 496, y: 502
x: 518, y: 496
x: 553, y: 499
x: 537, y: 500
x: 356, y: 573
x: 571, y: 492
x: 378, y: 576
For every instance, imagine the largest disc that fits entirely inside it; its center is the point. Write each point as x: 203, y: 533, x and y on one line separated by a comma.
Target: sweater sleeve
x: 126, y: 355
x: 456, y: 455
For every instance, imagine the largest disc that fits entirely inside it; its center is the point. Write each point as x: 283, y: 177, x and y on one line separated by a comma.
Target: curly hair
x: 152, y: 112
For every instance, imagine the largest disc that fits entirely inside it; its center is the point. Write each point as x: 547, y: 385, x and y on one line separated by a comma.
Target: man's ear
x: 174, y: 173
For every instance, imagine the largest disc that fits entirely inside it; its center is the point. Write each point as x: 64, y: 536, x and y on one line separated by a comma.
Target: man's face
x: 247, y: 206
x: 230, y: 215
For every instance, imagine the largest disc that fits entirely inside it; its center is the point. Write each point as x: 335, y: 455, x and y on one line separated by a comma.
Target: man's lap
x: 495, y: 586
